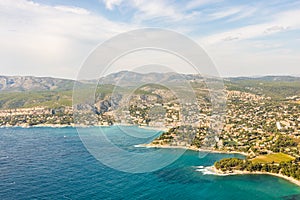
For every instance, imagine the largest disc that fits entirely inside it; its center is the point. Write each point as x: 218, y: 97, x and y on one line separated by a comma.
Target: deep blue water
x: 52, y: 163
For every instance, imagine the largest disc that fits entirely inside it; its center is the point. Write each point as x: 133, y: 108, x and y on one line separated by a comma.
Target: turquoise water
x: 52, y: 163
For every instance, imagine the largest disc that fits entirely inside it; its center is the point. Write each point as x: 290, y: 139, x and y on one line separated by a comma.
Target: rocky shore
x: 215, y: 171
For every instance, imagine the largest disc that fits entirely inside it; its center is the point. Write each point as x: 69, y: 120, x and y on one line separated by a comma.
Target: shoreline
x: 219, y: 172
x: 153, y: 128
x: 239, y: 172
x: 82, y: 126
x: 192, y: 148
x: 51, y: 126
x: 156, y: 128
x: 40, y: 125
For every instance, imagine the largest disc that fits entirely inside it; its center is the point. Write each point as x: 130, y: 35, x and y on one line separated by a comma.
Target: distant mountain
x: 29, y: 91
x: 125, y: 78
x: 31, y: 83
x: 122, y: 78
x: 267, y: 78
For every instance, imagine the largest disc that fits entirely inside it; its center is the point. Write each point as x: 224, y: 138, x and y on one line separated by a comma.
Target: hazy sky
x: 53, y: 37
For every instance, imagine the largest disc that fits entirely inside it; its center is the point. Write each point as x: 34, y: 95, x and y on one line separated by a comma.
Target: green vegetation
x: 290, y: 169
x: 282, y: 142
x: 276, y: 87
x: 229, y: 164
x: 51, y: 99
x: 273, y: 158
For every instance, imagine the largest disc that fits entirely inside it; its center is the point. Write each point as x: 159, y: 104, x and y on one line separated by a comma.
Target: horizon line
x: 224, y: 77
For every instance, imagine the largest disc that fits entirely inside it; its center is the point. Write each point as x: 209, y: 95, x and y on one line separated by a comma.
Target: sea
x: 55, y: 163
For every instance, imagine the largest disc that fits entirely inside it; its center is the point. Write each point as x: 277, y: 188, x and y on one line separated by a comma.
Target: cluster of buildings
x: 252, y: 123
x: 25, y: 117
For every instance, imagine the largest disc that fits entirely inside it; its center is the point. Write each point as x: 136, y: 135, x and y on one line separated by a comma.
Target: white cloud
x: 155, y: 9
x: 144, y: 10
x: 225, y: 13
x: 198, y: 3
x: 249, y: 59
x: 74, y: 10
x: 110, y: 4
x: 246, y: 12
x: 52, y: 39
x: 281, y: 22
x: 248, y: 50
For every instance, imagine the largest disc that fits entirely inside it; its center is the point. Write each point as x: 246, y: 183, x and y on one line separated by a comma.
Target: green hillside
x: 60, y: 92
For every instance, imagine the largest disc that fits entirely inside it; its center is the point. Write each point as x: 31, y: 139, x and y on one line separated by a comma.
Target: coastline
x: 63, y: 126
x: 238, y: 172
x: 219, y: 172
x: 156, y: 128
x: 39, y: 125
x: 152, y: 128
x: 81, y: 126
x: 192, y: 148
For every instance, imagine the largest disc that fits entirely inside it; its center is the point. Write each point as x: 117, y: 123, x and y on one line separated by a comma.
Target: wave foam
x: 208, y: 171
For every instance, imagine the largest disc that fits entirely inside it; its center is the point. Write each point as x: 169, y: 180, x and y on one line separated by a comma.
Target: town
x: 263, y: 126
x: 253, y: 124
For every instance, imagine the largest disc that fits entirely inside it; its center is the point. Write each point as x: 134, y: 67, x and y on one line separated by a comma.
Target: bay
x: 53, y: 163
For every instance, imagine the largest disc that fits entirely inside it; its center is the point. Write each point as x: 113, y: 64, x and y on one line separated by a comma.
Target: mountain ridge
x: 124, y: 78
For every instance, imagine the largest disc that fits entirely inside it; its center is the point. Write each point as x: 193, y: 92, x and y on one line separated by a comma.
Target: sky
x: 243, y: 38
